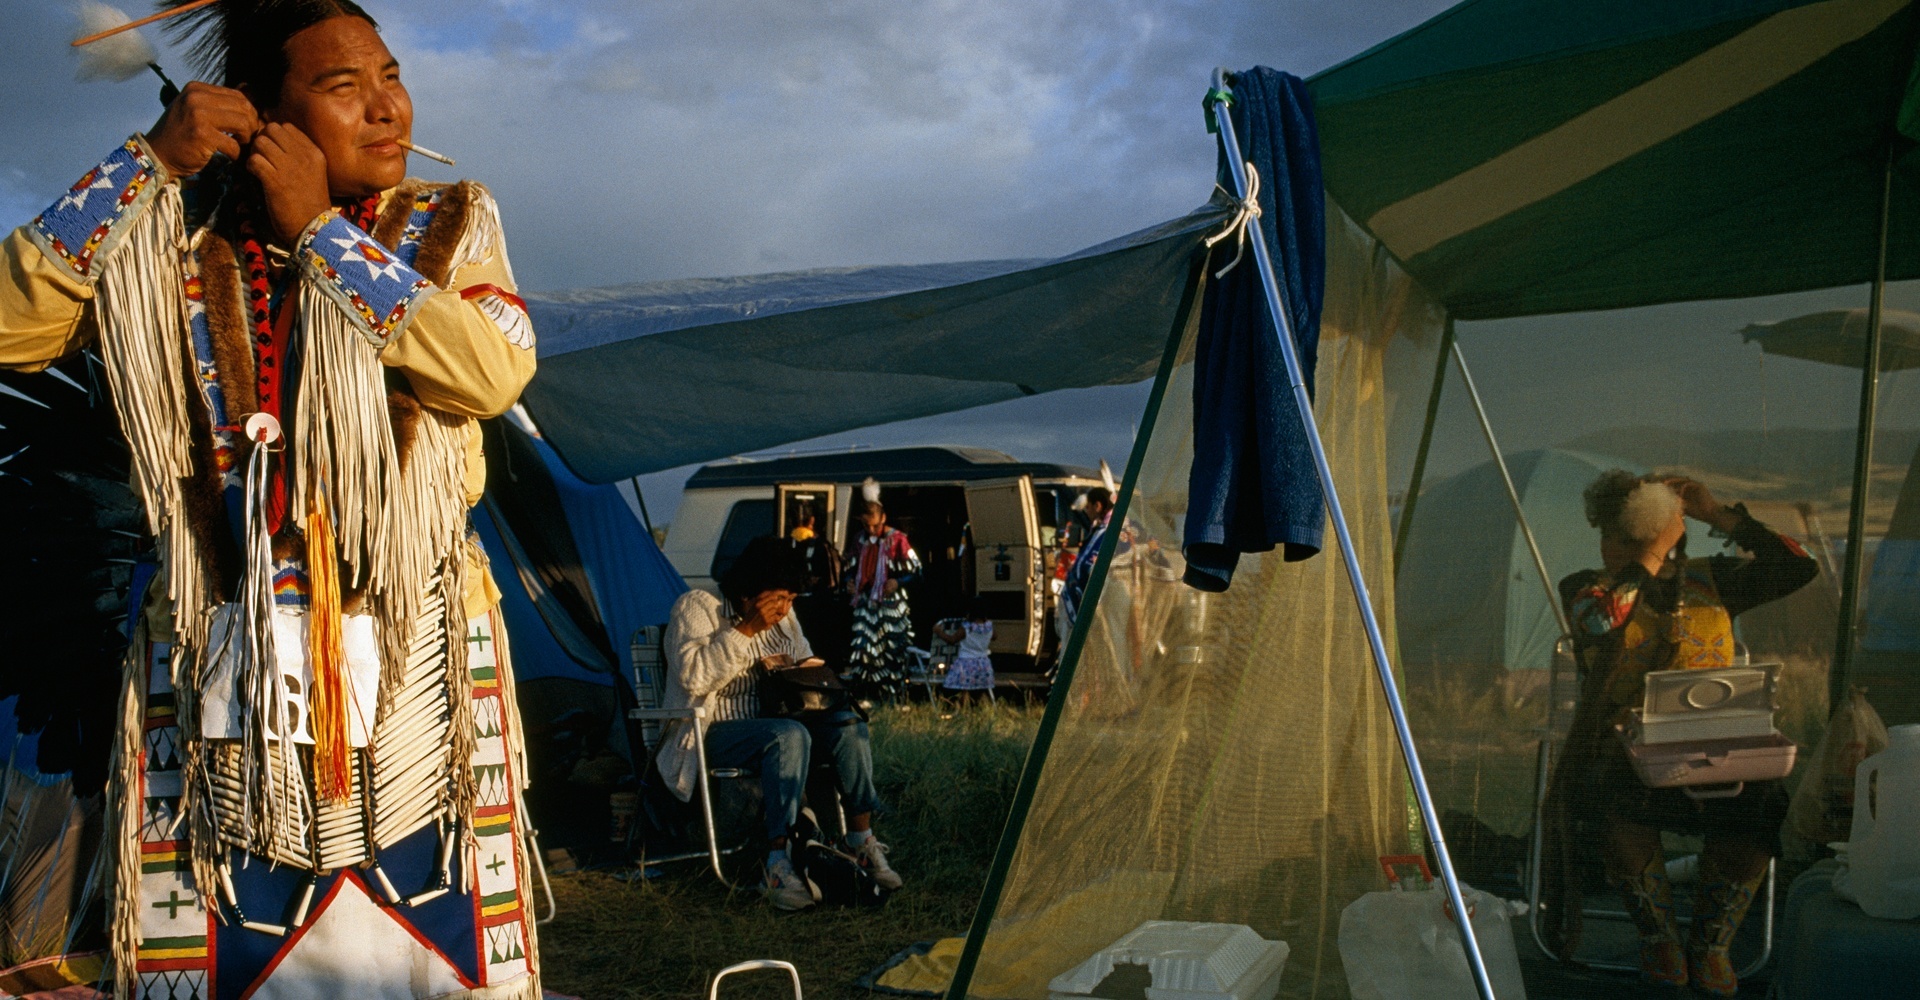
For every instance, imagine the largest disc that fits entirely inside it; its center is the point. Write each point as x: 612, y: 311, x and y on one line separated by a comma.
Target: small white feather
x: 119, y: 58
x: 1106, y: 477
x: 870, y: 490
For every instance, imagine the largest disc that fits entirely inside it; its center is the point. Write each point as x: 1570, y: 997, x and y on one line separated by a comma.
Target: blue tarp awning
x: 639, y: 378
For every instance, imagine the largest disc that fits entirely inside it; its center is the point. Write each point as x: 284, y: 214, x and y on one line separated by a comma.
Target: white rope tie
x: 1246, y: 210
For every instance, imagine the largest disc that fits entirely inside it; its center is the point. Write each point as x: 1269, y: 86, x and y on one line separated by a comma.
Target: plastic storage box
x: 1724, y: 703
x: 1713, y: 762
x: 1179, y: 961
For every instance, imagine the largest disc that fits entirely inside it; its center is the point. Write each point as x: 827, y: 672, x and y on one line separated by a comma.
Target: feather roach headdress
x: 1637, y: 508
x: 243, y: 43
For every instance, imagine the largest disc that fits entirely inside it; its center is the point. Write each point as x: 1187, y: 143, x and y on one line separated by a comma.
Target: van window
x: 748, y: 520
x: 1054, y: 506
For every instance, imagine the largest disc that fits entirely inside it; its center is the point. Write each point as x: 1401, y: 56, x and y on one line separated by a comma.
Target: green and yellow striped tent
x: 1524, y: 157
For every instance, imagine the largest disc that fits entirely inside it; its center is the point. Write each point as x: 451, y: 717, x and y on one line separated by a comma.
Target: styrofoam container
x: 1186, y: 961
x: 1713, y: 762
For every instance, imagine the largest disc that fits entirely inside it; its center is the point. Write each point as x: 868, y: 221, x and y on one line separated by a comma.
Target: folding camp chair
x: 928, y: 667
x: 1564, y: 682
x: 648, y: 656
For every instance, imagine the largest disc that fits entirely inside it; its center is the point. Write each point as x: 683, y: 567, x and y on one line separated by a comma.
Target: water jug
x: 1883, y: 854
x: 1403, y: 945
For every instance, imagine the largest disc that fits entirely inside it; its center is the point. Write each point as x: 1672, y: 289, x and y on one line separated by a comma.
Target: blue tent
x: 1893, y: 591
x: 546, y: 532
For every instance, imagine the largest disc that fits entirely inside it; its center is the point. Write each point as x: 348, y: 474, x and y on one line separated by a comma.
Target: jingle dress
x: 882, y: 622
x: 317, y: 786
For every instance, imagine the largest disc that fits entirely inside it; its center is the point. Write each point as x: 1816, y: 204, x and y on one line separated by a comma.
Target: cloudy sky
x: 635, y: 141
x: 672, y: 138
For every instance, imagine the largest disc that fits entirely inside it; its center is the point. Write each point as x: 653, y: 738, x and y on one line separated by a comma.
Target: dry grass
x: 1479, y: 743
x: 947, y: 782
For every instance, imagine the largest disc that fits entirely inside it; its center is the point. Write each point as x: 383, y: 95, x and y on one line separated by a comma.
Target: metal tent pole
x: 1849, y: 630
x: 1513, y: 495
x: 1283, y: 329
x: 1426, y: 445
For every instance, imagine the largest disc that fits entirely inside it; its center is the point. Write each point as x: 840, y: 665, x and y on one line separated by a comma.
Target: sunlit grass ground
x: 946, y: 782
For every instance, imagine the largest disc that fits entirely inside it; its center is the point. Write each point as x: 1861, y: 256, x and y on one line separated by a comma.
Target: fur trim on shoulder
x: 485, y: 236
x: 221, y: 282
x: 465, y: 228
x: 393, y: 220
x: 440, y: 244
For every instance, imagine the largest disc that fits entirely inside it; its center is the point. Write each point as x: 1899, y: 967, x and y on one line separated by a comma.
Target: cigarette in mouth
x: 428, y: 153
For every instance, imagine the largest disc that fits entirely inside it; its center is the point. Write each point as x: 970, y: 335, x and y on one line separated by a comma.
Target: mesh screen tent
x: 1226, y: 757
x: 1592, y: 202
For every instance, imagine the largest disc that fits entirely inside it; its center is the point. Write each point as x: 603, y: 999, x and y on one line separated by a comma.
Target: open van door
x: 1007, y: 569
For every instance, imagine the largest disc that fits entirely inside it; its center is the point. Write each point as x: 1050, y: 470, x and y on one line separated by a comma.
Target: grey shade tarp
x: 1839, y: 337
x: 639, y: 378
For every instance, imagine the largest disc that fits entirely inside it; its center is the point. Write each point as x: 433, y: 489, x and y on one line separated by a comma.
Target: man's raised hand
x: 293, y: 176
x: 202, y: 121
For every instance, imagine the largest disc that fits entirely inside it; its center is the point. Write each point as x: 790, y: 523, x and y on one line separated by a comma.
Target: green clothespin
x: 1215, y: 97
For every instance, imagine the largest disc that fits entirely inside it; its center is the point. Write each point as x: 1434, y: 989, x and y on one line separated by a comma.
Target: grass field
x: 946, y: 781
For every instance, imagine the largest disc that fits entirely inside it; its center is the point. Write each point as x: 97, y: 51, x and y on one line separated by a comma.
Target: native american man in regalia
x: 315, y: 787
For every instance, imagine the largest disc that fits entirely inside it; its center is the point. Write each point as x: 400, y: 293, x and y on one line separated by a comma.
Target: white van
x: 983, y: 524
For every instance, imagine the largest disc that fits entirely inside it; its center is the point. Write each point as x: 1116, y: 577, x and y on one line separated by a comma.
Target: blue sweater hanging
x: 1253, y: 484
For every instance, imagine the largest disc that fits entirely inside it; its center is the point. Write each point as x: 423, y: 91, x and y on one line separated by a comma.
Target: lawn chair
x: 648, y: 654
x: 649, y: 665
x: 1564, y: 683
x: 793, y: 974
x: 928, y: 667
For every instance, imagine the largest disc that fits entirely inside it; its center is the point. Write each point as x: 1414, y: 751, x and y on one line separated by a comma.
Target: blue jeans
x: 782, y: 749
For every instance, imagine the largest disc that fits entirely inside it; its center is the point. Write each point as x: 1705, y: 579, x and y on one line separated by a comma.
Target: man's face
x: 343, y: 90
x: 874, y: 520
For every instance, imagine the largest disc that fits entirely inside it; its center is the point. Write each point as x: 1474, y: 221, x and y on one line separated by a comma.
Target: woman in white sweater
x: 714, y: 649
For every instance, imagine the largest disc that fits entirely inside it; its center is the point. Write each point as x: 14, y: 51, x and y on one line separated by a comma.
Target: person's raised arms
x: 203, y: 121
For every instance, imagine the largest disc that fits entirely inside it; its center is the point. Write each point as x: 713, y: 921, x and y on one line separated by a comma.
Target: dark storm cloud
x: 676, y: 138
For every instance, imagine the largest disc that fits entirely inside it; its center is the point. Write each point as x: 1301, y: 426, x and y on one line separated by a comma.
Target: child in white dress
x: 972, y: 669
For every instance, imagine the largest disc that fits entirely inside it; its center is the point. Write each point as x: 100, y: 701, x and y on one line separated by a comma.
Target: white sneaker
x: 872, y: 855
x: 784, y: 887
